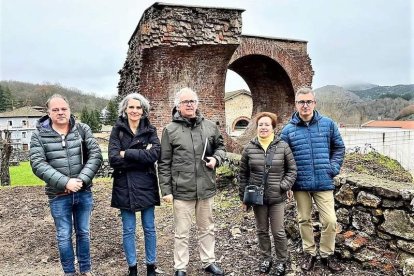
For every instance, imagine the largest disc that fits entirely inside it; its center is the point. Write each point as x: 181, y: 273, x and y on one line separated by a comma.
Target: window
x: 24, y: 134
x: 25, y: 146
x: 10, y: 123
x: 24, y: 123
x: 241, y: 125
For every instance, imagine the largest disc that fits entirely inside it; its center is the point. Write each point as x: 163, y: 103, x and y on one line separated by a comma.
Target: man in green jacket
x: 191, y: 148
x: 66, y: 156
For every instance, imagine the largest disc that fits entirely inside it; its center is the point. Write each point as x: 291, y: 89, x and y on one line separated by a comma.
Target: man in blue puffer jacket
x: 319, y: 152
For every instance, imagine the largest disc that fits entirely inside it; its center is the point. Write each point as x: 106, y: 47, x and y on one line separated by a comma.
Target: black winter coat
x: 135, y: 184
x: 282, y: 174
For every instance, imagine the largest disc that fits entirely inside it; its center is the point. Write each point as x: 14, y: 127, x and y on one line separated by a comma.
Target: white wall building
x: 395, y: 143
x: 21, y: 122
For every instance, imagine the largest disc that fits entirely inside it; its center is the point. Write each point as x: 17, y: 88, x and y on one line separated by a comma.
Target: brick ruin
x: 175, y: 46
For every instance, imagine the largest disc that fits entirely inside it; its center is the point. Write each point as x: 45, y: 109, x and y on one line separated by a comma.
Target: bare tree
x: 5, y: 150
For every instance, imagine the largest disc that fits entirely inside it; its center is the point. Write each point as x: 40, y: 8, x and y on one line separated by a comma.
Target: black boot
x: 280, y: 269
x: 265, y: 266
x: 151, y: 270
x: 133, y: 271
x: 309, y: 262
x: 331, y: 263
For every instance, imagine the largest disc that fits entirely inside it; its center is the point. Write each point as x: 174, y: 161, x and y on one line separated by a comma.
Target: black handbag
x: 253, y: 194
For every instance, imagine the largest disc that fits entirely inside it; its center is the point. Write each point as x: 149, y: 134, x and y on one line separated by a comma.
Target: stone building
x: 239, y: 106
x: 21, y: 122
x: 175, y: 46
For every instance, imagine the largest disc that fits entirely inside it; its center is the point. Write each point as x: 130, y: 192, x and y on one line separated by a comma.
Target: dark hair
x: 272, y: 116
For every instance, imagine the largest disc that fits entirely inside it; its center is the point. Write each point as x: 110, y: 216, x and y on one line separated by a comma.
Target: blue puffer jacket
x: 318, y: 150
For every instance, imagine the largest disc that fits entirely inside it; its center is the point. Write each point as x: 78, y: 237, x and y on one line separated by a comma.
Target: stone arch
x: 274, y: 69
x: 175, y: 46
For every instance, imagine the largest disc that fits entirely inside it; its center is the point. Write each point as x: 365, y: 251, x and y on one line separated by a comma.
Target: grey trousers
x: 272, y: 215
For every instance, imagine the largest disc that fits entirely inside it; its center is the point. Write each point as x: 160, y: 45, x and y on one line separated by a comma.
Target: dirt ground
x: 28, y: 246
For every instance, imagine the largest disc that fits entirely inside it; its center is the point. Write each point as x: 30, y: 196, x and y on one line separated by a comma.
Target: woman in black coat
x: 281, y: 176
x: 134, y: 148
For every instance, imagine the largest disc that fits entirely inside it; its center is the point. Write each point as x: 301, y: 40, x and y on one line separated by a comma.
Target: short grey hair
x: 56, y: 96
x: 304, y: 91
x: 180, y: 92
x: 135, y: 96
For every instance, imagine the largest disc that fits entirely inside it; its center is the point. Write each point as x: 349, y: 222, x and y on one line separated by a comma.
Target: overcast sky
x: 83, y: 43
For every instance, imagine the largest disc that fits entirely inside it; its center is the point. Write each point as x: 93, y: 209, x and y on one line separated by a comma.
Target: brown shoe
x: 309, y: 262
x: 331, y: 263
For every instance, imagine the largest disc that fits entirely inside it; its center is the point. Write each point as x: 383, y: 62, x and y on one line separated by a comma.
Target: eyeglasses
x: 308, y: 103
x: 188, y: 102
x: 56, y: 110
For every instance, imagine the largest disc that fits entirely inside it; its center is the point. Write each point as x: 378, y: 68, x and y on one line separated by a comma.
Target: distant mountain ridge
x: 24, y: 93
x: 359, y: 106
x: 402, y: 91
x: 334, y: 93
x: 359, y: 86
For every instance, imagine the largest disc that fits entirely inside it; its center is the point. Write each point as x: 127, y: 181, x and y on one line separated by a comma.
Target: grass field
x: 22, y: 175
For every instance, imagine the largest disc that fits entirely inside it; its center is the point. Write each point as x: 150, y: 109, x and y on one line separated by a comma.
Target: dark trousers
x: 272, y: 215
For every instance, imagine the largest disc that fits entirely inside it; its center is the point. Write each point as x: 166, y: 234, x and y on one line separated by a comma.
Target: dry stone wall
x: 376, y: 222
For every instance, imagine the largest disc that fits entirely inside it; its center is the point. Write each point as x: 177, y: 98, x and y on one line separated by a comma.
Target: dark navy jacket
x: 135, y: 184
x: 318, y: 150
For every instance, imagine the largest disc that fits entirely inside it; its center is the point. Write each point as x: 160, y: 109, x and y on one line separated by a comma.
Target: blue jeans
x: 128, y: 235
x: 73, y: 211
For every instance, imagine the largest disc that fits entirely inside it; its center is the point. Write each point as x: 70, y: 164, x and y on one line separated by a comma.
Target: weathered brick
x: 175, y: 46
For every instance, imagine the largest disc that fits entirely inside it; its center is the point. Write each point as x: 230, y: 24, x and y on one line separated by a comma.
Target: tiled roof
x: 390, y: 124
x: 26, y: 111
x: 232, y: 94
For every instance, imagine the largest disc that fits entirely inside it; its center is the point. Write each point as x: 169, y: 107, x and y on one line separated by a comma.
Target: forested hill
x: 380, y: 92
x: 373, y: 103
x: 23, y: 94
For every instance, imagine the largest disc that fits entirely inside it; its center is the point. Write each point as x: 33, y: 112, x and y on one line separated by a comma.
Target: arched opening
x: 241, y: 124
x: 270, y: 85
x: 238, y: 104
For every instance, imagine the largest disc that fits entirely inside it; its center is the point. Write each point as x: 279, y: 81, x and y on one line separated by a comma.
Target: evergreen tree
x: 2, y: 105
x: 95, y: 125
x: 84, y: 117
x: 91, y: 119
x: 112, y: 115
x: 5, y: 99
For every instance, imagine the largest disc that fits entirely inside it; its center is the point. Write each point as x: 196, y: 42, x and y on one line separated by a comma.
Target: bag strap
x: 81, y: 131
x: 268, y: 165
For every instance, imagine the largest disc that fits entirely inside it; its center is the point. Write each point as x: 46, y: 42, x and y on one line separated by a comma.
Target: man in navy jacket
x: 319, y: 152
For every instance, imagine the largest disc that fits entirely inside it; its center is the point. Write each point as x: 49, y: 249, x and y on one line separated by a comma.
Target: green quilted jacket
x: 181, y: 170
x: 56, y: 159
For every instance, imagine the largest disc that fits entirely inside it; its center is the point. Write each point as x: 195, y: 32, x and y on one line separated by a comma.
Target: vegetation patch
x: 22, y: 175
x: 376, y: 164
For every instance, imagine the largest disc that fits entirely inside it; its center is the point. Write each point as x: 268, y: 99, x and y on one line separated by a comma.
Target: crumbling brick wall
x: 175, y: 46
